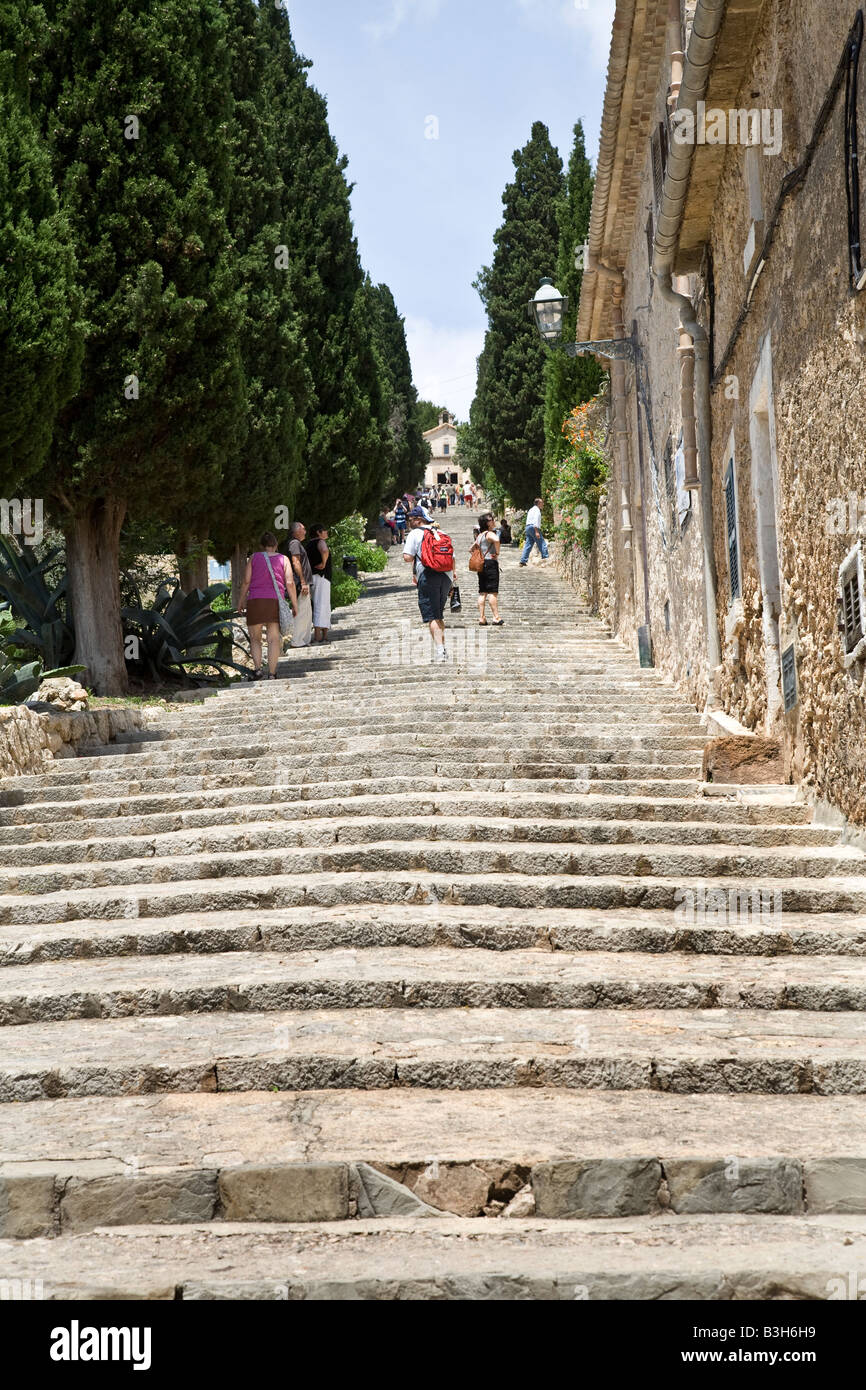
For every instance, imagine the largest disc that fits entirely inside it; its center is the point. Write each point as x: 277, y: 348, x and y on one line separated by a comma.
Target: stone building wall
x: 807, y: 324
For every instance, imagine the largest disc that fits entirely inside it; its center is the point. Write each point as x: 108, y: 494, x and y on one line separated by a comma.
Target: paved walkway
x: 407, y: 953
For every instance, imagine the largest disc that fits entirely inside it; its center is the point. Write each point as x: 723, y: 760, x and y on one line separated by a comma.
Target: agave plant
x: 18, y: 683
x: 36, y: 595
x: 181, y: 631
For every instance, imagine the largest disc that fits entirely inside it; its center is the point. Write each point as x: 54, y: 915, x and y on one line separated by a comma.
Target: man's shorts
x: 433, y: 591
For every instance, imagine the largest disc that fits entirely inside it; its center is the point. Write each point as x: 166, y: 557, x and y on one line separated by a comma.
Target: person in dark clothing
x: 319, y: 557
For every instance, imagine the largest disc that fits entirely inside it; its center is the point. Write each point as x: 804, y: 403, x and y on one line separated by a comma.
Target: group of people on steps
x: 434, y: 571
x: 298, y: 575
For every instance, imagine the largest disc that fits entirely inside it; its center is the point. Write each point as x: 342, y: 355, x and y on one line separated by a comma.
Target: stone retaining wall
x: 30, y: 738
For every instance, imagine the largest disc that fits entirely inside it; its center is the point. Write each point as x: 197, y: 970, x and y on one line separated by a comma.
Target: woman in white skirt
x: 320, y: 562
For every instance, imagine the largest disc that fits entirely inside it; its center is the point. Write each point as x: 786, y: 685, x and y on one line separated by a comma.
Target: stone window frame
x: 851, y: 574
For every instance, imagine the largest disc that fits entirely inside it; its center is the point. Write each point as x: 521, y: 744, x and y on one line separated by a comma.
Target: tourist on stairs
x: 268, y: 578
x: 534, y: 535
x: 319, y: 557
x: 488, y: 575
x: 431, y: 555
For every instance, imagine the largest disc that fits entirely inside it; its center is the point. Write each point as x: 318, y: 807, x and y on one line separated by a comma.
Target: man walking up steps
x: 430, y: 553
x: 534, y: 534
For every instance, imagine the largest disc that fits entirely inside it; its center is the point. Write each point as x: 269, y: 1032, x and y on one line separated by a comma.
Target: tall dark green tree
x: 509, y: 407
x: 41, y: 336
x: 346, y: 421
x: 407, y: 451
x: 136, y: 100
x: 267, y: 472
x: 569, y: 380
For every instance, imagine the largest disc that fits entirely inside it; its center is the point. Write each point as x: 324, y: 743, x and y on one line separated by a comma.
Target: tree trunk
x: 93, y: 560
x: 239, y: 565
x: 192, y: 564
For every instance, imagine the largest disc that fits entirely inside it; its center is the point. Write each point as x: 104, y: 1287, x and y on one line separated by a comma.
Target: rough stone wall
x: 674, y: 553
x: 31, y: 739
x: 817, y: 334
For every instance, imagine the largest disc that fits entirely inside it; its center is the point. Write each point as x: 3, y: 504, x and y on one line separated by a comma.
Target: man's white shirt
x: 533, y: 517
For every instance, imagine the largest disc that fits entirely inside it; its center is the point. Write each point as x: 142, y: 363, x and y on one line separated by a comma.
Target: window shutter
x: 851, y: 611
x: 789, y: 678
x: 731, y: 525
x: 658, y: 166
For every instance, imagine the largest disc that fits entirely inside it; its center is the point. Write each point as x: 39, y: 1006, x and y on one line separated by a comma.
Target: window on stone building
x: 732, y: 531
x: 852, y: 605
x: 659, y: 154
x: 446, y: 449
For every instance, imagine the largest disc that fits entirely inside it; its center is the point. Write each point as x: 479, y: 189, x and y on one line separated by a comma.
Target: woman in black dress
x: 488, y: 576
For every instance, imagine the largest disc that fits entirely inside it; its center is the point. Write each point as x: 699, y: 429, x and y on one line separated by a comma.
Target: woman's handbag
x: 456, y: 605
x: 476, y: 559
x: 283, y: 606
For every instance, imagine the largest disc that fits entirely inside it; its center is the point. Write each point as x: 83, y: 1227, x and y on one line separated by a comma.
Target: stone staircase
x: 394, y: 980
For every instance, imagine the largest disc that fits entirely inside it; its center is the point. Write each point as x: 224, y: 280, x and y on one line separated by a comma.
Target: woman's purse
x: 476, y: 559
x: 283, y: 606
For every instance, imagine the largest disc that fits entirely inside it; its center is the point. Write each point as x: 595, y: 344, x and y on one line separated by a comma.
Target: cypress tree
x: 137, y: 100
x: 407, y: 452
x: 268, y: 469
x: 509, y: 407
x: 42, y: 335
x: 345, y: 421
x: 569, y: 380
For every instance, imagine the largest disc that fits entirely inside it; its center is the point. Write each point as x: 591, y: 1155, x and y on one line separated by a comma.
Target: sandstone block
x: 378, y: 1195
x: 745, y: 760
x: 597, y: 1187
x: 735, y: 1185
x: 835, y: 1185
x: 120, y: 1200
x: 27, y: 1206
x: 285, y: 1192
x: 460, y: 1188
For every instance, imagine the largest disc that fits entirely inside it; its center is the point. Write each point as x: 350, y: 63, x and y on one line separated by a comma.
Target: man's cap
x: 420, y: 514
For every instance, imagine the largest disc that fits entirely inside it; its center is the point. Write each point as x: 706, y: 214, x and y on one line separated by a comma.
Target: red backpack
x: 437, y: 552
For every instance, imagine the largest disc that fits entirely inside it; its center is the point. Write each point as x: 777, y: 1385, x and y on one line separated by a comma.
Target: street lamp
x: 547, y: 310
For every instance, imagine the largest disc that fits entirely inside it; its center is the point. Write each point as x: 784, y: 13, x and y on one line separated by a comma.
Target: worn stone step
x: 715, y: 931
x: 249, y: 763
x: 191, y: 809
x: 772, y: 866
x: 330, y: 1155
x: 701, y: 1258
x: 787, y: 1052
x: 414, y: 888
x: 326, y: 782
x: 243, y: 832
x: 416, y: 978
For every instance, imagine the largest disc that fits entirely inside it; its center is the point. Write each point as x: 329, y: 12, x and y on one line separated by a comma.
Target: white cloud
x: 395, y: 13
x: 444, y: 363
x: 589, y: 23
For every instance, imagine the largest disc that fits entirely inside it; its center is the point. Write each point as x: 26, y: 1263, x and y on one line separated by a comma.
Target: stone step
x: 772, y: 867
x: 320, y: 1155
x: 717, y: 931
x: 415, y: 978
x: 318, y: 785
x: 294, y: 752
x: 255, y: 831
x: 246, y: 763
x: 414, y: 888
x: 193, y: 810
x: 696, y: 1257
x: 687, y: 1051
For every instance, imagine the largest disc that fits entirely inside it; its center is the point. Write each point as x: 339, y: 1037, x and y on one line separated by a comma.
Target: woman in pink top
x: 259, y: 600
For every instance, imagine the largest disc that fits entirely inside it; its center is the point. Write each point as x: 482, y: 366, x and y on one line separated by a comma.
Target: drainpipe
x: 688, y: 86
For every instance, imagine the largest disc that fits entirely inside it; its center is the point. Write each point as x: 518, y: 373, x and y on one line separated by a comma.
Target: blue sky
x: 426, y: 209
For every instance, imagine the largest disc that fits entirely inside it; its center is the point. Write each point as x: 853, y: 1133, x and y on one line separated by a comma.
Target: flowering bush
x: 581, y: 476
